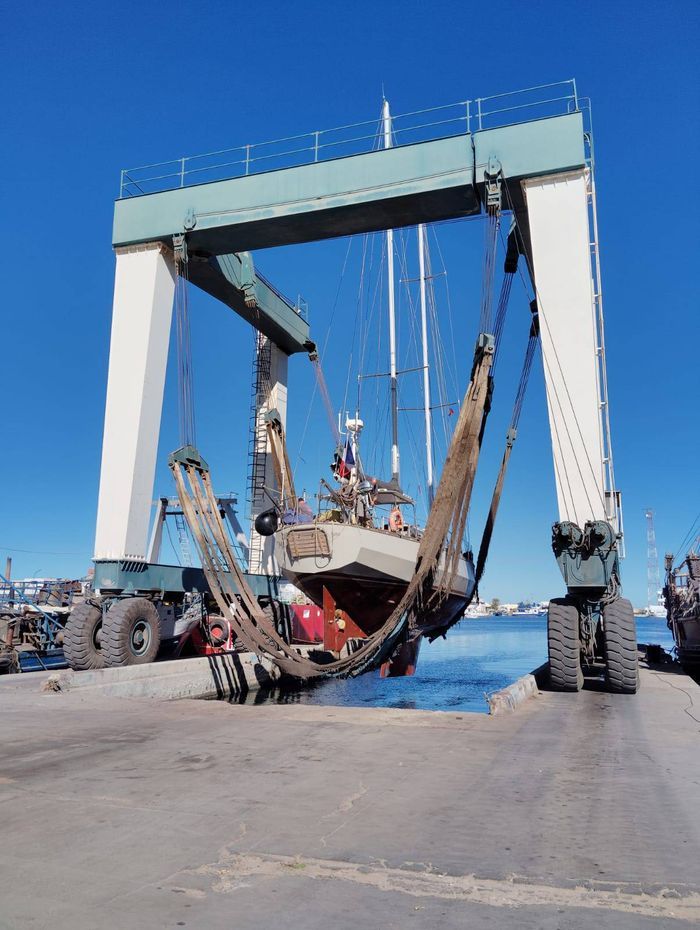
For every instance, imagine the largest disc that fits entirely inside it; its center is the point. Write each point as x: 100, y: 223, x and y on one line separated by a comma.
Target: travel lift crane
x: 544, y: 164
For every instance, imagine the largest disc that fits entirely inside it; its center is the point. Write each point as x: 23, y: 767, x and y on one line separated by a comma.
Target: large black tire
x: 131, y: 632
x: 563, y: 639
x: 82, y: 638
x: 620, y: 647
x: 279, y: 616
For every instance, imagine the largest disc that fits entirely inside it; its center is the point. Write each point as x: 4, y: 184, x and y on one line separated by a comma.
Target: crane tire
x: 563, y: 640
x: 279, y: 616
x: 82, y: 638
x: 131, y: 632
x: 620, y: 647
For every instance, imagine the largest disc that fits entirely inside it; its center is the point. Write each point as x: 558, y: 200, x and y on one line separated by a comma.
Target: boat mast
x: 426, y: 370
x: 386, y: 117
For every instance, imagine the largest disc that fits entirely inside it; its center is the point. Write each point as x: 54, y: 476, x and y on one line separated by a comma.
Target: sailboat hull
x: 366, y: 571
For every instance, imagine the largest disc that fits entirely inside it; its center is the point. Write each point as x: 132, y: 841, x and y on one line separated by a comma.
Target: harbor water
x: 478, y: 656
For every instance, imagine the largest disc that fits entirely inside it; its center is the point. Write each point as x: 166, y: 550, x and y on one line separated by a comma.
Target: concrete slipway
x: 577, y: 811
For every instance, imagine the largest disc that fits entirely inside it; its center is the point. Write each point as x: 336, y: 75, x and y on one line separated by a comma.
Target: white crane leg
x: 156, y: 540
x: 143, y: 300
x: 262, y: 548
x: 561, y: 249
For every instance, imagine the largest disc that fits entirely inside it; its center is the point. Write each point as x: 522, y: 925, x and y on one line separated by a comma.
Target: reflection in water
x: 478, y: 657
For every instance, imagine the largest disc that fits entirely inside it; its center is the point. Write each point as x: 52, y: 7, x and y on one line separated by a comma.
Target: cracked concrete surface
x: 577, y: 811
x: 230, y: 871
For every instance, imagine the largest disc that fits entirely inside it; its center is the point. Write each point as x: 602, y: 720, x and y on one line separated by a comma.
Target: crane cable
x: 184, y: 350
x: 510, y: 439
x: 315, y: 360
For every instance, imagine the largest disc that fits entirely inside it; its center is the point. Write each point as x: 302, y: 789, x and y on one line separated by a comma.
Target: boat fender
x: 266, y: 523
x: 395, y: 520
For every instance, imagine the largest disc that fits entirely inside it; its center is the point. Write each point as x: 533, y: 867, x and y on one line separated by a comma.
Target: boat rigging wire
x: 437, y: 353
x: 322, y: 353
x: 689, y: 536
x: 453, y: 374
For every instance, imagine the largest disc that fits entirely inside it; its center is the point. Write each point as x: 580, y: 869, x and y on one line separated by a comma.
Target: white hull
x: 365, y: 570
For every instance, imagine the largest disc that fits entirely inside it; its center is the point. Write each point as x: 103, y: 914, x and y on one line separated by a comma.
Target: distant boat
x: 475, y: 611
x: 658, y: 609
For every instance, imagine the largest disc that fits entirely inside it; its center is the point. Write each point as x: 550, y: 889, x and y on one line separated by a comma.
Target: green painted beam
x: 112, y: 576
x: 422, y: 182
x: 359, y: 193
x: 233, y: 280
x: 527, y: 150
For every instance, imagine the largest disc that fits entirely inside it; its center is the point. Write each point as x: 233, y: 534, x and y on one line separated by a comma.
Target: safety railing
x: 45, y: 592
x: 453, y: 119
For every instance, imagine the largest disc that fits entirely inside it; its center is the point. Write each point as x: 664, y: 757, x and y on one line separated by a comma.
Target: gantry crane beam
x: 232, y: 279
x: 422, y: 182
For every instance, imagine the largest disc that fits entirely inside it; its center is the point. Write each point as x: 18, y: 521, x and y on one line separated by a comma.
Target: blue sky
x: 91, y: 88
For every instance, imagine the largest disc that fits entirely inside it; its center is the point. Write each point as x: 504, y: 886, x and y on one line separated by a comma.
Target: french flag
x: 347, y: 461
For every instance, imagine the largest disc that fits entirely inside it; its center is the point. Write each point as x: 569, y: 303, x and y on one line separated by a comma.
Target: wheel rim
x: 140, y: 638
x: 218, y: 632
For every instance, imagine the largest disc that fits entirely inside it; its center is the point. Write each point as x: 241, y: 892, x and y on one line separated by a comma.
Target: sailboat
x: 358, y: 555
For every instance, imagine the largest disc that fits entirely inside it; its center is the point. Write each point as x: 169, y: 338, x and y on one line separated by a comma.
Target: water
x: 478, y: 657
x: 654, y: 630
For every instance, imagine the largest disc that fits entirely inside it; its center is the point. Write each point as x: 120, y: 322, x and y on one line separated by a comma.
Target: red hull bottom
x: 403, y: 662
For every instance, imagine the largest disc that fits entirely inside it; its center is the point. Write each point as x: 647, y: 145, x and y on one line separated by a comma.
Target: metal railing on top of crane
x: 465, y: 116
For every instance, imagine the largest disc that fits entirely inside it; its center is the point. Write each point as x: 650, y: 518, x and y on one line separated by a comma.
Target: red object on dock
x: 338, y: 625
x: 307, y: 623
x: 220, y: 637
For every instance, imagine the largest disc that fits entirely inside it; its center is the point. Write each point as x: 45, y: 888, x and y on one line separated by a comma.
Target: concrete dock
x: 576, y: 811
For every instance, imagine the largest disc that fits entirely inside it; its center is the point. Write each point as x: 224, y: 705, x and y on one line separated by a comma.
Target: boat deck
x: 576, y: 811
